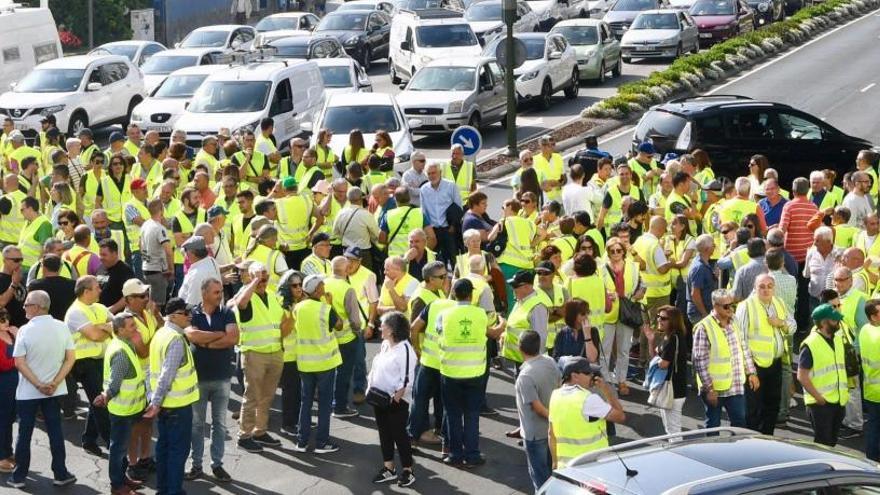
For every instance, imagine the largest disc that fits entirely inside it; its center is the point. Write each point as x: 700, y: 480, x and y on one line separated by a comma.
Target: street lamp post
x: 509, y: 19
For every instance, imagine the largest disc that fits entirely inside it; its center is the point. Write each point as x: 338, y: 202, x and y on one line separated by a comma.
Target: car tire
x: 367, y: 59
x: 78, y: 121
x: 618, y: 68
x: 678, y: 51
x: 571, y: 92
x: 626, y: 60
x: 395, y: 79
x: 504, y: 121
x: 133, y: 103
x: 474, y: 121
x: 600, y: 79
x: 546, y: 94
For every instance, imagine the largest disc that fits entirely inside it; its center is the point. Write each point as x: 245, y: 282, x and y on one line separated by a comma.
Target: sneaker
x: 93, y: 448
x: 193, y: 473
x: 358, y: 398
x: 249, y: 445
x: 68, y: 415
x: 289, y: 432
x: 345, y: 413
x: 327, y: 448
x: 7, y: 466
x: 15, y: 484
x: 450, y: 461
x: 385, y: 475
x: 68, y: 479
x: 846, y: 433
x: 429, y: 438
x: 300, y: 448
x: 488, y: 411
x: 479, y: 461
x: 136, y: 474
x: 268, y: 440
x: 406, y: 478
x: 221, y: 475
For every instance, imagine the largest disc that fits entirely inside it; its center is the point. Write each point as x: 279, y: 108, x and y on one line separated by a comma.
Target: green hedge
x: 635, y: 92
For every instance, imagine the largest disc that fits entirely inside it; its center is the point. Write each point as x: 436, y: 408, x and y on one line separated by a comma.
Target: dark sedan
x: 363, y: 33
x: 308, y: 47
x: 767, y: 11
x: 719, y: 20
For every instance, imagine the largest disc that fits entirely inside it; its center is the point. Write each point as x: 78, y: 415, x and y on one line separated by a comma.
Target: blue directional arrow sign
x: 469, y: 138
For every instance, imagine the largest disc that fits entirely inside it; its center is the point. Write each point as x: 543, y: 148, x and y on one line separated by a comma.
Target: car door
x: 404, y: 57
x: 688, y: 32
x: 802, y: 140
x: 564, y: 64
x: 498, y: 103
x: 751, y: 132
x: 105, y: 101
x: 281, y: 110
x: 610, y: 45
x: 379, y: 28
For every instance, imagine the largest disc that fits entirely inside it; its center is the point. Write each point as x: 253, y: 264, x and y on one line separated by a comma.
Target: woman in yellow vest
x: 62, y: 198
x: 588, y: 284
x: 291, y: 292
x: 680, y: 248
x: 622, y: 281
x: 522, y: 235
x: 326, y: 158
x: 529, y: 202
x: 356, y: 150
x: 67, y: 221
x: 704, y: 174
x: 115, y: 191
x: 554, y: 255
x: 383, y: 148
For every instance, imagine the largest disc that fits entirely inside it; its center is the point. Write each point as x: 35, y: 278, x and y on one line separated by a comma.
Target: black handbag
x: 496, y: 247
x: 381, y: 399
x: 631, y: 313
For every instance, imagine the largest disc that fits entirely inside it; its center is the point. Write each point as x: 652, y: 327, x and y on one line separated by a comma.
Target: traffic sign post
x: 469, y: 138
x: 509, y: 9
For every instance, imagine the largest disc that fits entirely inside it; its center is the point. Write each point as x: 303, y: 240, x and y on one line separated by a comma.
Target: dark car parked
x: 735, y: 462
x: 767, y: 11
x: 719, y: 20
x: 363, y: 33
x: 308, y: 47
x: 733, y: 128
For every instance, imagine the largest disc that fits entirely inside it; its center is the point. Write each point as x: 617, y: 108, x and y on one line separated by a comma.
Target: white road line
x: 866, y: 88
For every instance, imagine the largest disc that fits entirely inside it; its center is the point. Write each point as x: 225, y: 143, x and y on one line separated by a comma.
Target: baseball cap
x: 215, y: 211
x: 53, y: 132
x: 715, y: 185
x: 134, y: 286
x: 193, y: 243
x: 320, y: 237
x: 545, y: 268
x: 826, y: 312
x: 176, y: 304
x: 576, y: 364
x: 16, y: 135
x: 353, y: 252
x: 311, y: 283
x: 139, y: 184
x: 668, y: 157
x: 521, y: 278
x: 116, y: 136
x: 646, y: 147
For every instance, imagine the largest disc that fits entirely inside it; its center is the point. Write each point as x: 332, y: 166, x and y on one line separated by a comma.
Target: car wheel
x: 504, y: 121
x: 626, y: 60
x: 78, y: 122
x: 678, y: 51
x: 367, y: 59
x: 134, y: 102
x: 618, y: 68
x: 571, y: 92
x: 395, y: 79
x: 474, y: 121
x: 546, y: 93
x: 600, y: 79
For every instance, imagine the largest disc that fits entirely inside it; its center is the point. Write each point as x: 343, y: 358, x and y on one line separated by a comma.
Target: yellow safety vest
x: 592, y: 290
x: 22, y: 152
x: 518, y: 252
x: 186, y: 227
x: 294, y: 219
x: 552, y: 169
x: 425, y: 295
x: 268, y: 257
x: 557, y: 300
x: 66, y: 270
x: 90, y: 185
x: 828, y: 373
x: 673, y: 199
x: 329, y: 220
x: 678, y: 248
x: 288, y: 344
x: 362, y: 155
x: 463, y: 342
x: 132, y: 396
x: 185, y: 386
x: 630, y: 282
x: 431, y: 339
x: 614, y: 215
x: 147, y: 329
x: 313, y: 265
x: 30, y: 247
x: 720, y: 364
x: 79, y: 257
x: 761, y: 333
x: 657, y: 283
x: 132, y: 147
x: 261, y: 140
x: 849, y: 304
x: 304, y: 176
x: 359, y: 281
x: 566, y: 245
x: 262, y: 333
x: 338, y: 288
x: 255, y: 168
x: 133, y: 230
x: 518, y: 322
x: 401, y: 221
x: 844, y: 235
x: 869, y: 345
x: 12, y: 224
x: 113, y: 200
x: 639, y: 169
x: 464, y: 179
x: 153, y: 176
x: 213, y: 164
x: 316, y: 346
x: 399, y: 287
x: 830, y: 200
x: 735, y: 209
x: 97, y: 314
x: 574, y: 435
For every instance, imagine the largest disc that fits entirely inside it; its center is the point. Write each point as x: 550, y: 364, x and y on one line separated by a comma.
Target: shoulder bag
x: 664, y: 395
x: 631, y: 313
x: 381, y: 399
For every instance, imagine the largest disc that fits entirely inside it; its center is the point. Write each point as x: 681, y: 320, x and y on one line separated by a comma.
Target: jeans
x: 826, y: 421
x: 120, y: 434
x: 391, y: 423
x: 425, y: 386
x: 763, y: 404
x: 462, y: 399
x: 137, y: 265
x: 348, y: 352
x: 871, y: 411
x: 178, y: 279
x: 89, y: 373
x: 785, y: 392
x: 215, y: 393
x: 322, y: 382
x: 447, y: 247
x: 262, y: 371
x: 172, y: 449
x: 622, y: 334
x: 671, y: 418
x: 290, y: 396
x: 27, y: 415
x: 8, y: 384
x: 538, y: 460
x: 359, y: 376
x: 735, y: 406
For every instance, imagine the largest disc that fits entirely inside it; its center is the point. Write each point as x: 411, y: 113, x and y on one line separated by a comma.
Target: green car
x: 598, y: 51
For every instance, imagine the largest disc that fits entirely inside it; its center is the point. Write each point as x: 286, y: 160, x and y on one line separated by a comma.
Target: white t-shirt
x: 575, y: 197
x: 43, y: 342
x: 153, y: 237
x: 389, y: 370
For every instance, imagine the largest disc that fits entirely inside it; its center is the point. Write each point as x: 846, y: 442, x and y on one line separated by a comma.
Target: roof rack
x: 435, y: 13
x: 662, y: 439
x: 262, y: 54
x: 709, y: 97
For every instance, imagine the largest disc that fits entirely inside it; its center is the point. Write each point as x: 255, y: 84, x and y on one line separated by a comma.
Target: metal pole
x: 510, y: 82
x: 91, y: 24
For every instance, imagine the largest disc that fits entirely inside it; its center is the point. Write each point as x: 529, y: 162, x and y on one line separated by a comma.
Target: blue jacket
x: 655, y: 375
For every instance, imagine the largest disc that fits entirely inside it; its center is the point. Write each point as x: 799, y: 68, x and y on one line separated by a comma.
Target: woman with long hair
x: 622, y: 282
x: 673, y: 358
x: 115, y: 191
x: 326, y: 157
x: 753, y: 223
x: 355, y: 150
x: 757, y: 165
x: 704, y: 174
x: 585, y: 244
x: 62, y: 198
x: 680, y: 249
x: 529, y: 182
x: 588, y: 284
x: 529, y: 202
x: 383, y: 148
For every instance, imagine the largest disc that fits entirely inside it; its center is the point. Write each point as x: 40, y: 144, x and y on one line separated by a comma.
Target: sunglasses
x: 15, y: 260
x: 613, y: 251
x: 662, y: 318
x: 526, y: 201
x: 726, y: 306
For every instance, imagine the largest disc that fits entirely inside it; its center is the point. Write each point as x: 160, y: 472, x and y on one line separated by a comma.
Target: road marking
x: 866, y: 88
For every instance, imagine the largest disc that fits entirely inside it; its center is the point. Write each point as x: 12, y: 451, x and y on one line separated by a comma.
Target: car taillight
x: 684, y: 138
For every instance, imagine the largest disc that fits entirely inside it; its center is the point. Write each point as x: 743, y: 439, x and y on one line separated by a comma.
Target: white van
x: 421, y: 36
x: 28, y: 37
x: 291, y: 92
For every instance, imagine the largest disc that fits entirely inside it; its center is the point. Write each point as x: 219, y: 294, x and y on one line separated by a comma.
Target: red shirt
x: 798, y: 236
x: 7, y: 363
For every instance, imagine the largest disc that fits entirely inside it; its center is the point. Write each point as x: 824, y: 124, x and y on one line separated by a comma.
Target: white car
x: 136, y: 50
x: 161, y: 64
x: 419, y: 38
x: 343, y: 75
x: 550, y: 66
x: 663, y: 33
x: 305, y: 21
x: 380, y: 5
x: 487, y: 21
x: 451, y: 92
x: 81, y: 91
x: 368, y: 112
x: 161, y: 109
x: 550, y: 12
x: 264, y: 39
x: 595, y: 9
x: 226, y: 37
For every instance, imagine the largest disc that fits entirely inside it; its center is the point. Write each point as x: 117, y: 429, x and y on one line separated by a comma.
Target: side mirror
x: 404, y: 45
x: 555, y: 55
x: 414, y: 123
x: 306, y: 126
x: 177, y: 45
x: 94, y: 86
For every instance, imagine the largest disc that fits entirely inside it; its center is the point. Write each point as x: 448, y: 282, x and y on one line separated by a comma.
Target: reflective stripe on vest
x: 338, y: 288
x: 463, y: 342
x: 313, y: 265
x: 720, y: 357
x: 574, y: 435
x: 316, y: 346
x: 463, y: 180
x: 657, y: 283
x: 431, y: 340
x: 97, y: 315
x: 869, y: 345
x: 132, y: 396
x: 288, y: 344
x: 761, y: 333
x: 268, y: 257
x: 399, y: 243
x: 630, y: 282
x: 592, y: 290
x: 184, y: 388
x: 113, y: 200
x: 294, y: 213
x: 518, y: 322
x: 12, y: 224
x: 30, y: 248
x: 518, y: 252
x: 828, y: 373
x: 261, y: 333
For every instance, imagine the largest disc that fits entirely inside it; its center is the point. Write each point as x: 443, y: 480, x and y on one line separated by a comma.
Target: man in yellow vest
x: 318, y: 263
x: 550, y: 166
x: 295, y: 218
x: 738, y: 207
x: 460, y: 172
x: 37, y: 230
x: 182, y: 227
x: 89, y: 322
x: 654, y: 269
x: 343, y: 299
x: 11, y: 222
x: 133, y: 139
x: 522, y: 236
x: 611, y: 212
x: 398, y: 287
x: 262, y: 324
x: 646, y: 168
x: 767, y: 326
x: 84, y: 261
x: 579, y: 411
x: 723, y: 363
x: 822, y: 373
x: 869, y: 344
x: 89, y: 147
x: 679, y: 201
x: 124, y: 396
x: 852, y: 305
x: 174, y: 385
x: 317, y: 357
x: 530, y: 312
x: 265, y: 143
x: 463, y: 330
x: 400, y: 221
x: 134, y: 216
x: 254, y: 167
x: 20, y: 150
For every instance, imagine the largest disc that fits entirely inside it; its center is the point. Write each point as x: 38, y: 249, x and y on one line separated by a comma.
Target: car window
x: 109, y: 74
x: 321, y: 50
x: 561, y: 44
x: 374, y: 22
x: 858, y: 490
x: 282, y: 100
x: 795, y: 127
x: 95, y: 76
x: 751, y: 125
x: 485, y: 77
x: 247, y: 35
x: 409, y: 37
x: 497, y: 73
x: 149, y: 51
x: 710, y: 130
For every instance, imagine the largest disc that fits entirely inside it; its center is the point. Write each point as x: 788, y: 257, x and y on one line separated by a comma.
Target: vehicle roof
x: 221, y: 27
x: 531, y: 36
x: 192, y: 52
x: 129, y: 42
x: 282, y: 15
x: 659, y: 11
x: 257, y: 71
x: 360, y: 99
x: 334, y: 61
x: 371, y: 3
x: 459, y: 62
x: 579, y: 22
x: 298, y: 40
x: 701, y: 104
x: 437, y: 16
x: 364, y: 10
x: 199, y: 69
x: 80, y: 61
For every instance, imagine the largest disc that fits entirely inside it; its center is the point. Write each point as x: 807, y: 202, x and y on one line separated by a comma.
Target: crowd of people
x: 152, y: 274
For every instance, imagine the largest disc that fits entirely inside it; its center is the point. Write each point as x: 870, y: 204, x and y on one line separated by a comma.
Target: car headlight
x: 763, y: 6
x: 50, y: 110
x: 528, y: 76
x: 456, y: 106
x: 352, y: 41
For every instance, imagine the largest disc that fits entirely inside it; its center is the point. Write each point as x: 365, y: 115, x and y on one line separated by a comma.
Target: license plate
x: 160, y: 128
x: 705, y: 35
x: 427, y: 120
x: 644, y: 48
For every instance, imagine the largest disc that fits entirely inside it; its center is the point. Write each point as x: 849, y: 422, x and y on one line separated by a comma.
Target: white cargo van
x: 421, y: 36
x: 289, y: 91
x: 28, y: 37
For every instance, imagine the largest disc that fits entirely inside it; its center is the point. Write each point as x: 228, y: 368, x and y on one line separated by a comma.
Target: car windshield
x: 534, y: 48
x: 182, y: 86
x: 50, y: 81
x: 446, y: 36
x: 484, y: 11
x: 578, y: 35
x: 634, y: 5
x: 230, y: 97
x: 298, y: 50
x: 712, y: 7
x: 168, y: 64
x: 343, y: 22
x: 443, y: 79
x: 655, y: 21
x: 367, y: 118
x: 128, y: 51
x: 203, y: 39
x: 355, y: 6
x: 277, y: 23
x: 336, y: 77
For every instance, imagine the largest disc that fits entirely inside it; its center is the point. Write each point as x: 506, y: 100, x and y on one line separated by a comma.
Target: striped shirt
x: 798, y: 237
x: 741, y: 362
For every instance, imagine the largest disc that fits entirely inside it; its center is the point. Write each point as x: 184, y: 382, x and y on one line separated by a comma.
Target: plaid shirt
x: 786, y: 288
x: 741, y: 362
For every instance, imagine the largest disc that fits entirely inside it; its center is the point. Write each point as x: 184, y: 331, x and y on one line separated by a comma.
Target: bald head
x: 339, y: 265
x: 853, y: 258
x: 657, y: 226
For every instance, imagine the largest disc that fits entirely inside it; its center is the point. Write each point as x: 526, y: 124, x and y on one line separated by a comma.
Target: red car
x: 718, y: 20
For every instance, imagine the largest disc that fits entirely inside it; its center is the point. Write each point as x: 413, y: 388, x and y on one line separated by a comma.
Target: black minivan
x: 733, y: 128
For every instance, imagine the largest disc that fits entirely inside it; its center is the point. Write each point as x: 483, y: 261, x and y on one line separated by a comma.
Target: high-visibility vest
x: 430, y: 343
x: 556, y: 296
x: 79, y: 257
x: 338, y: 288
x: 844, y: 235
x: 241, y: 235
x: 113, y: 199
x: 869, y: 345
x: 674, y: 199
x: 566, y: 245
x: 153, y: 176
x: 313, y: 265
x: 518, y: 322
x: 830, y: 200
x: 614, y: 215
x: 12, y: 224
x: 424, y: 294
x: 97, y: 314
x: 464, y: 179
x: 288, y: 343
x: 213, y: 164
x: 678, y: 248
x: 288, y: 168
x: 326, y: 155
x: 828, y: 373
x: 266, y: 142
x: 46, y: 153
x: 630, y: 282
x: 639, y: 169
x: 735, y: 209
x: 849, y: 304
x: 258, y: 163
x: 359, y: 280
x: 66, y: 270
x: 592, y: 290
x: 90, y: 185
x: 761, y: 333
x: 22, y: 152
x: 294, y: 219
x: 463, y: 342
x: 574, y: 435
x: 862, y: 274
x: 132, y: 229
x: 268, y: 257
x: 132, y: 396
x: 316, y: 346
x: 186, y: 227
x: 657, y: 283
x: 401, y: 221
x: 518, y: 252
x: 330, y: 219
x: 362, y: 155
x: 116, y: 235
x: 463, y: 264
x: 705, y: 176
x: 262, y: 333
x: 306, y: 177
x: 720, y: 353
x: 132, y: 147
x: 185, y: 386
x: 30, y: 247
x: 399, y: 288
x: 873, y: 173
x: 147, y: 328
x: 85, y: 156
x: 480, y: 285
x: 553, y: 170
